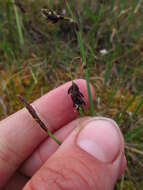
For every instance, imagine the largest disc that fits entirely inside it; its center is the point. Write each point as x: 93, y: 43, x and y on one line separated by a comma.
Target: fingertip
x: 98, y: 137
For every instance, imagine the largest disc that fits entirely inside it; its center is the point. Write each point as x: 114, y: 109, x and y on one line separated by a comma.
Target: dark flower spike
x: 35, y: 116
x: 51, y: 15
x: 54, y: 17
x: 77, y: 97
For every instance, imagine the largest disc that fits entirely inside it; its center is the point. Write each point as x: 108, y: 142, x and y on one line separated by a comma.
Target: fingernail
x: 101, y: 139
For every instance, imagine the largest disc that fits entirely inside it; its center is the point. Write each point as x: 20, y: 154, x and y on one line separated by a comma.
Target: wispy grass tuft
x: 134, y: 134
x: 139, y: 105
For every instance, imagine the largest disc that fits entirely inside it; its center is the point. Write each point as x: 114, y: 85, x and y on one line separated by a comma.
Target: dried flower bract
x: 77, y: 97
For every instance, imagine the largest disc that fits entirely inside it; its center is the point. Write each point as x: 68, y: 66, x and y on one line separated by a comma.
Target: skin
x: 26, y: 151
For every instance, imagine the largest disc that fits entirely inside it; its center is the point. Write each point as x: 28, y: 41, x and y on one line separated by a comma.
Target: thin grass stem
x: 84, y: 62
x: 18, y: 24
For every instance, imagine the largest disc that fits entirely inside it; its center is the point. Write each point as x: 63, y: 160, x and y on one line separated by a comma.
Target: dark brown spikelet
x: 54, y: 17
x: 33, y: 113
x: 35, y: 116
x: 51, y: 15
x: 77, y: 97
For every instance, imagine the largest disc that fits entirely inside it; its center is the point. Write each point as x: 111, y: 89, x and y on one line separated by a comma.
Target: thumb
x: 91, y: 158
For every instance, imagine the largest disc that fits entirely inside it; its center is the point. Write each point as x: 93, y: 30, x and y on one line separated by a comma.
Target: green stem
x: 54, y: 138
x: 89, y: 92
x: 19, y: 28
x: 83, y: 56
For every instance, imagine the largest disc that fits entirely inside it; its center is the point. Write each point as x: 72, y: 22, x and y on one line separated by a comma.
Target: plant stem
x: 84, y: 62
x: 19, y: 28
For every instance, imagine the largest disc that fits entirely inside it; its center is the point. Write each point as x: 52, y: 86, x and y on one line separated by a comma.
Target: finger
x: 20, y: 134
x: 16, y: 182
x: 123, y: 166
x: 47, y: 148
x: 90, y: 158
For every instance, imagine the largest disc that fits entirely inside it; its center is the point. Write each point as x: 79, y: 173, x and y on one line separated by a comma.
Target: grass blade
x: 84, y: 62
x: 18, y: 23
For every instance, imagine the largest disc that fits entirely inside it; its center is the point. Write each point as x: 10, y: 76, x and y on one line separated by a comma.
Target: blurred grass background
x: 37, y: 56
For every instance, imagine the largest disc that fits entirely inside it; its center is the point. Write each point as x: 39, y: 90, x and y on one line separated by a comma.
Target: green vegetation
x: 36, y: 56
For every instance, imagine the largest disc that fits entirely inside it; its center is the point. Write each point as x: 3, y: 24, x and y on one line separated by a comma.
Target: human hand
x: 91, y: 156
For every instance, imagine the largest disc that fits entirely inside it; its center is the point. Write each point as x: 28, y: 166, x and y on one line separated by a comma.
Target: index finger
x: 19, y: 133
